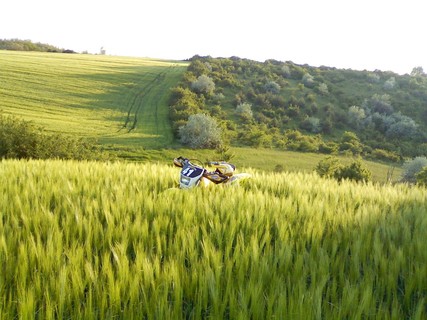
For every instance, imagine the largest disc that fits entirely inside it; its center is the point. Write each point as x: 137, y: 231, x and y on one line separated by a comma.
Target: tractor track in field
x: 138, y: 102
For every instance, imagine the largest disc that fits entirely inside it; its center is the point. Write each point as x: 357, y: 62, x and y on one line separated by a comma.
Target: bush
x: 327, y: 167
x: 204, y: 85
x: 390, y: 84
x: 332, y: 168
x: 323, y: 89
x: 350, y: 142
x: 244, y: 110
x: 328, y: 148
x: 411, y: 168
x: 272, y: 87
x: 311, y: 124
x: 308, y: 80
x: 401, y: 126
x: 20, y: 139
x: 422, y: 177
x: 201, y: 131
x: 386, y: 155
x: 355, y: 171
x: 356, y: 115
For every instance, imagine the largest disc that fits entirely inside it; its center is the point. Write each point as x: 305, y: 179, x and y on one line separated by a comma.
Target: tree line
x: 28, y: 45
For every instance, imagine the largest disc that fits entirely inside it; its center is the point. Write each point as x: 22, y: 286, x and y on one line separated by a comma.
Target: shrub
x: 272, y: 87
x: 355, y: 171
x: 21, y: 139
x: 244, y: 110
x: 323, y: 89
x: 308, y: 80
x: 422, y: 177
x: 328, y: 148
x: 386, y: 155
x: 204, y: 85
x: 401, y: 126
x: 327, y: 167
x: 286, y: 71
x: 311, y: 124
x: 350, y: 142
x: 201, y: 131
x: 379, y: 103
x: 332, y: 168
x: 295, y: 140
x: 390, y: 84
x: 356, y: 115
x: 411, y: 168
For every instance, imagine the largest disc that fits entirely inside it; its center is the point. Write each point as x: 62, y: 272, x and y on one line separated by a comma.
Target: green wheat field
x: 118, y: 100
x: 88, y: 240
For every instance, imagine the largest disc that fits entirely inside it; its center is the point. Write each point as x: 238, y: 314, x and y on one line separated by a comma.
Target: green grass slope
x: 118, y: 100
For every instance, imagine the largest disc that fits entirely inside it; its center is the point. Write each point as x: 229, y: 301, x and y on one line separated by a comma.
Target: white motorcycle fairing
x: 190, y: 176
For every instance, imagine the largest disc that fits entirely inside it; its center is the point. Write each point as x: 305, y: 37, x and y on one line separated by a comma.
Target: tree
x: 272, y: 87
x: 401, y: 126
x: 417, y: 72
x: 411, y: 168
x: 351, y: 142
x: 244, y: 110
x: 356, y: 115
x: 308, y: 80
x: 201, y: 131
x: 204, y: 85
x: 390, y: 84
x: 286, y: 71
x: 379, y: 103
x: 311, y: 124
x: 323, y: 89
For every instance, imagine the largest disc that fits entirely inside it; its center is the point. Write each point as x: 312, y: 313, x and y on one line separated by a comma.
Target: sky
x: 388, y: 35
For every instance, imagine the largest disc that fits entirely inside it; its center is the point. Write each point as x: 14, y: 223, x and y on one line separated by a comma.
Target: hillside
x: 124, y: 104
x: 299, y: 107
x: 120, y: 101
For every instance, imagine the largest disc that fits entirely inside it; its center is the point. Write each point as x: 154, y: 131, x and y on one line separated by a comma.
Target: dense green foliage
x: 258, y: 104
x: 22, y: 140
x: 411, y: 168
x: 84, y: 240
x: 331, y: 167
x: 422, y: 177
x: 200, y: 131
x: 27, y: 45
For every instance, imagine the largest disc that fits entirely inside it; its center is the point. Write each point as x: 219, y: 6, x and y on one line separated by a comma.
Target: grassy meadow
x: 87, y: 240
x: 118, y: 100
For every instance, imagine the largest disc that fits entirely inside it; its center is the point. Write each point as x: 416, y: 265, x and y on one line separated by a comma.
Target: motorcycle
x: 193, y: 175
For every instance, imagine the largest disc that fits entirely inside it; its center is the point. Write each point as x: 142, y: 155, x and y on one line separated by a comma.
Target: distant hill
x: 298, y: 107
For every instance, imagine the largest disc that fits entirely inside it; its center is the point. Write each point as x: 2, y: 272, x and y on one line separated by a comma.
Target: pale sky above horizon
x: 364, y: 34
